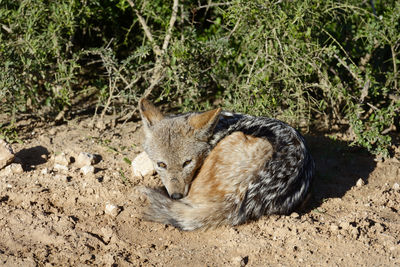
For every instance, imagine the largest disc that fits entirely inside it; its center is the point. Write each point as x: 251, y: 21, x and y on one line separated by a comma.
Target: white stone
x: 6, y: 171
x: 85, y: 159
x: 44, y: 171
x: 61, y: 159
x: 87, y: 169
x: 59, y: 167
x: 16, y: 168
x: 142, y: 165
x: 111, y: 209
x: 6, y: 154
x: 360, y: 182
x: 396, y: 186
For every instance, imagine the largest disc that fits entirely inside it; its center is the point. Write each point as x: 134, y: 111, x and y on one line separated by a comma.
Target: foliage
x: 305, y: 62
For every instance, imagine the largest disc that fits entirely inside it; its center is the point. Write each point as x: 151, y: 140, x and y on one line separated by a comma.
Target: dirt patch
x: 53, y: 216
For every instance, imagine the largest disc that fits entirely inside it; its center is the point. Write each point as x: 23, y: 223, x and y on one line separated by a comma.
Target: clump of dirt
x: 66, y: 217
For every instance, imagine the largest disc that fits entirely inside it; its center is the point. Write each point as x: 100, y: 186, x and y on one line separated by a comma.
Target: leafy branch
x: 158, y: 71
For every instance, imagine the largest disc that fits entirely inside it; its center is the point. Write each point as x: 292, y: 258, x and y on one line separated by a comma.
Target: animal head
x: 177, y: 145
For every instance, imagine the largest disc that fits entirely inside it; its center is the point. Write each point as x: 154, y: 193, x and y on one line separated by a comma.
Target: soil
x: 58, y: 217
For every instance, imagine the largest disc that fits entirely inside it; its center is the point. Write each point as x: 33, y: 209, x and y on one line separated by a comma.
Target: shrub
x: 307, y: 62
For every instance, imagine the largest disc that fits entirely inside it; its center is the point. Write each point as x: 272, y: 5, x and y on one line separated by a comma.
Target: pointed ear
x: 150, y: 114
x: 204, y: 123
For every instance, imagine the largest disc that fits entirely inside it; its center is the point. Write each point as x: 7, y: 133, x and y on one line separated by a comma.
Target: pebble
x: 334, y: 227
x: 111, y: 209
x: 87, y: 170
x: 44, y: 171
x: 60, y: 177
x: 107, y: 233
x: 294, y: 215
x: 354, y: 231
x: 85, y: 159
x: 16, y: 168
x: 142, y: 165
x: 13, y: 168
x: 61, y: 159
x: 360, y: 182
x: 6, y: 171
x: 240, y: 261
x: 6, y: 154
x: 60, y: 167
x: 396, y: 186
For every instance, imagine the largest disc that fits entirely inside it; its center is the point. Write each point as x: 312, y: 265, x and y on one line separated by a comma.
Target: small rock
x: 86, y: 159
x: 6, y: 154
x: 396, y: 186
x: 240, y: 261
x: 294, y: 215
x: 334, y: 227
x: 344, y: 225
x: 60, y: 167
x: 16, y: 168
x: 44, y: 171
x: 360, y: 182
x: 354, y: 231
x: 142, y: 165
x: 61, y: 177
x: 87, y: 170
x: 111, y: 209
x: 61, y: 159
x: 236, y: 261
x: 107, y: 233
x: 6, y: 171
x: 52, y: 131
x: 13, y: 168
x: 100, y: 125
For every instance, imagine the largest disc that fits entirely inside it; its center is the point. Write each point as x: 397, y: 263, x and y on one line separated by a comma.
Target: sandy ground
x: 57, y: 217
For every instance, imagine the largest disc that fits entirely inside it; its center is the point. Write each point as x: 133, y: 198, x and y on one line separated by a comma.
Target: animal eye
x: 162, y: 165
x: 186, y: 163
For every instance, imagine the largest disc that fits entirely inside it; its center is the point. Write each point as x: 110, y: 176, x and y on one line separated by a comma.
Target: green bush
x: 309, y: 63
x: 38, y: 64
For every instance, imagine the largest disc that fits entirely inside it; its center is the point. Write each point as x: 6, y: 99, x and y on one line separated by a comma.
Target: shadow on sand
x: 33, y: 156
x: 338, y: 167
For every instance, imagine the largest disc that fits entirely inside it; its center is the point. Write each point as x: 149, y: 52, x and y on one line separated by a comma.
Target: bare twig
x: 6, y: 28
x: 348, y: 68
x: 155, y: 79
x: 171, y: 25
x: 394, y: 66
x: 234, y: 28
x: 158, y: 71
x: 364, y: 91
x: 251, y: 69
x: 146, y: 29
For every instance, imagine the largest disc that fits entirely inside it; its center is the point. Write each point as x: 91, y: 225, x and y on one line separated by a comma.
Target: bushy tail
x: 182, y: 213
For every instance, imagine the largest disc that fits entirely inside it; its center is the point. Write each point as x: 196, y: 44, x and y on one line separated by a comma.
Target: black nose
x: 177, y: 196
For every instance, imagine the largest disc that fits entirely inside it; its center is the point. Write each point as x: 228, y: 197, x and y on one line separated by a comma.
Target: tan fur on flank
x: 243, y: 153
